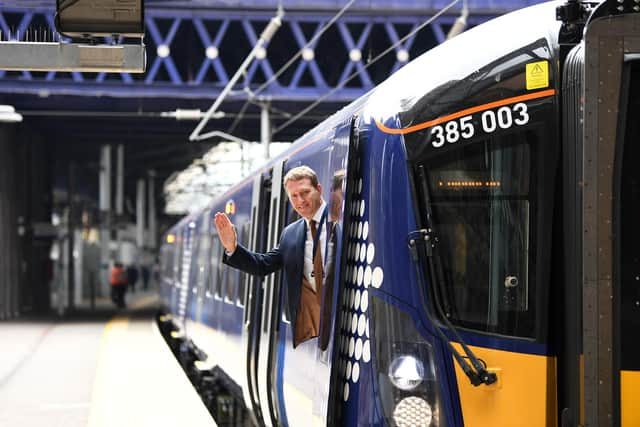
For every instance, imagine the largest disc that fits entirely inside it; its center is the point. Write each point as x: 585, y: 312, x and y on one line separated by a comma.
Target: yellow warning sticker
x: 537, y: 75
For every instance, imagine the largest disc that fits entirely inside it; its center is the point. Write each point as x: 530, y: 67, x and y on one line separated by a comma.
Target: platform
x: 96, y: 368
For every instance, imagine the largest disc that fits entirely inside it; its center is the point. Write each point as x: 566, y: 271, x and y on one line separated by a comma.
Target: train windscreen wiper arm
x: 477, y: 374
x: 424, y: 238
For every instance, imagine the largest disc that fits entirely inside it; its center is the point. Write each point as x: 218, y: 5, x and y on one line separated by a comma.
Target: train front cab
x: 482, y: 143
x: 527, y: 195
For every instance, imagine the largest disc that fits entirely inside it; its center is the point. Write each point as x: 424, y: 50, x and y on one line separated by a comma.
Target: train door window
x: 229, y: 288
x: 167, y: 259
x: 214, y: 282
x: 240, y: 277
x: 232, y: 275
x: 170, y: 261
x: 177, y: 266
x: 204, y: 247
x: 214, y: 267
x: 276, y: 220
x: 163, y: 258
x: 483, y: 199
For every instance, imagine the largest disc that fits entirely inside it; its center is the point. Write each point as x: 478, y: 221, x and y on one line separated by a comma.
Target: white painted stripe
x: 63, y: 406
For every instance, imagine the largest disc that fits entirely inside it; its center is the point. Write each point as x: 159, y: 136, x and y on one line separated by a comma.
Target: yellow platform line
x: 139, y: 383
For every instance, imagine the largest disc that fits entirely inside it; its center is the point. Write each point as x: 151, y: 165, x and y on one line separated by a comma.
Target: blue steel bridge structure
x: 193, y: 48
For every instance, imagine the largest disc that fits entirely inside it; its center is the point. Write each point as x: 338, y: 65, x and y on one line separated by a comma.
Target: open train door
x: 269, y: 309
x: 606, y: 244
x: 253, y: 295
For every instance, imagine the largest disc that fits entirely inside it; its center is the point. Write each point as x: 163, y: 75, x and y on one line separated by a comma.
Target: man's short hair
x: 301, y: 172
x: 338, y: 177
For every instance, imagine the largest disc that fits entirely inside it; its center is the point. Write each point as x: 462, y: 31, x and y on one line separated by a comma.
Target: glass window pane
x: 241, y: 277
x: 481, y: 201
x: 214, y: 275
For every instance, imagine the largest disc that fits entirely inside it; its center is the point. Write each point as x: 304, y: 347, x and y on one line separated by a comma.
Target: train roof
x: 462, y: 58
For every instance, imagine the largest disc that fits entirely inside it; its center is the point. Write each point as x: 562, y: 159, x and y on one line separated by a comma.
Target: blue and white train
x: 486, y: 270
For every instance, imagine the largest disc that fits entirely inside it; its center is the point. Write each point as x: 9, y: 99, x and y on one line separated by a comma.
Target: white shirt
x: 308, y: 246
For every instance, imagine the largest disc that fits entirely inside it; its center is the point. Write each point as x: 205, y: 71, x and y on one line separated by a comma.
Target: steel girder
x: 193, y: 53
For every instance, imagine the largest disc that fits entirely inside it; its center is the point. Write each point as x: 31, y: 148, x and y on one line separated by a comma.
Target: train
x: 486, y: 268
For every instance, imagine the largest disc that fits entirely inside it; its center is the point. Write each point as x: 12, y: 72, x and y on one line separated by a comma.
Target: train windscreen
x: 482, y: 199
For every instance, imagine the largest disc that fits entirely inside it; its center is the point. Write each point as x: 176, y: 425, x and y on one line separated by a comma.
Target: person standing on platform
x: 145, y: 276
x: 118, y: 282
x: 132, y: 276
x: 299, y: 253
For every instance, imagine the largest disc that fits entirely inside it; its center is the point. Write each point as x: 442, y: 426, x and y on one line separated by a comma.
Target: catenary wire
x: 348, y: 79
x: 282, y: 69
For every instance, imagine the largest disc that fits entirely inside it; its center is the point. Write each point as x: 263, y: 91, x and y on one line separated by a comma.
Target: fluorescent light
x: 8, y: 114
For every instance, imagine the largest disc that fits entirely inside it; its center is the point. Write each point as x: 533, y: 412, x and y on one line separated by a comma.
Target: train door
x: 606, y: 187
x: 270, y: 308
x: 611, y: 308
x: 306, y: 370
x: 253, y: 296
x: 333, y: 193
x: 202, y: 248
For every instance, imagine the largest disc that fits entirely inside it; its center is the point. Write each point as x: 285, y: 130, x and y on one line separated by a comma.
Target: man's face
x: 304, y: 197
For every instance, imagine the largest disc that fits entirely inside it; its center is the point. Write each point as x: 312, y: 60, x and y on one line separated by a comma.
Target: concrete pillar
x: 105, y: 214
x: 140, y: 214
x: 265, y: 129
x: 71, y: 189
x: 119, y: 206
x: 120, y: 181
x: 105, y: 178
x: 9, y: 241
x: 153, y: 228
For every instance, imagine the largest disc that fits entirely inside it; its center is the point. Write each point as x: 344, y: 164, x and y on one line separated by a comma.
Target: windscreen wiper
x: 423, y: 241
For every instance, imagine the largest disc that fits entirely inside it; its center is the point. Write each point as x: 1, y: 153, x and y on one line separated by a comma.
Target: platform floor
x: 100, y: 368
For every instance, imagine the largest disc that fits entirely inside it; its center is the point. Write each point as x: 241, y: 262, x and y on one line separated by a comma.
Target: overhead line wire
x: 282, y: 69
x: 348, y: 79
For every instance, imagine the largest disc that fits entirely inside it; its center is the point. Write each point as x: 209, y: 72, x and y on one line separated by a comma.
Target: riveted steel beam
x: 192, y: 53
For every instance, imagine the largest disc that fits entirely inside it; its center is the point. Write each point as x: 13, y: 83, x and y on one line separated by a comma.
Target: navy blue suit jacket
x: 287, y: 255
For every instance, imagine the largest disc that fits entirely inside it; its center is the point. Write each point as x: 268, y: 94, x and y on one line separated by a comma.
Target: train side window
x: 217, y: 260
x: 203, y: 251
x: 167, y: 260
x: 229, y: 277
x: 214, y: 267
x: 485, y: 199
x: 204, y: 246
x: 239, y: 276
x: 170, y: 261
x: 177, y: 266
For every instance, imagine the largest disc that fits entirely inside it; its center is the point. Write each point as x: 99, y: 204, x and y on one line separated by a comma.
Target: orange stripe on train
x: 466, y: 112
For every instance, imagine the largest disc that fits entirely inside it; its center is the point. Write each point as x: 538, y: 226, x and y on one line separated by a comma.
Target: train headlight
x: 406, y: 372
x: 412, y: 409
x: 407, y: 379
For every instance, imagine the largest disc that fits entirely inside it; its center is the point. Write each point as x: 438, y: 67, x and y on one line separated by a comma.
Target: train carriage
x: 483, y: 269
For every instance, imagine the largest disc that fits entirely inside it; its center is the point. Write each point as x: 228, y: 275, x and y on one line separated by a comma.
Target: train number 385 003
x: 490, y: 120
